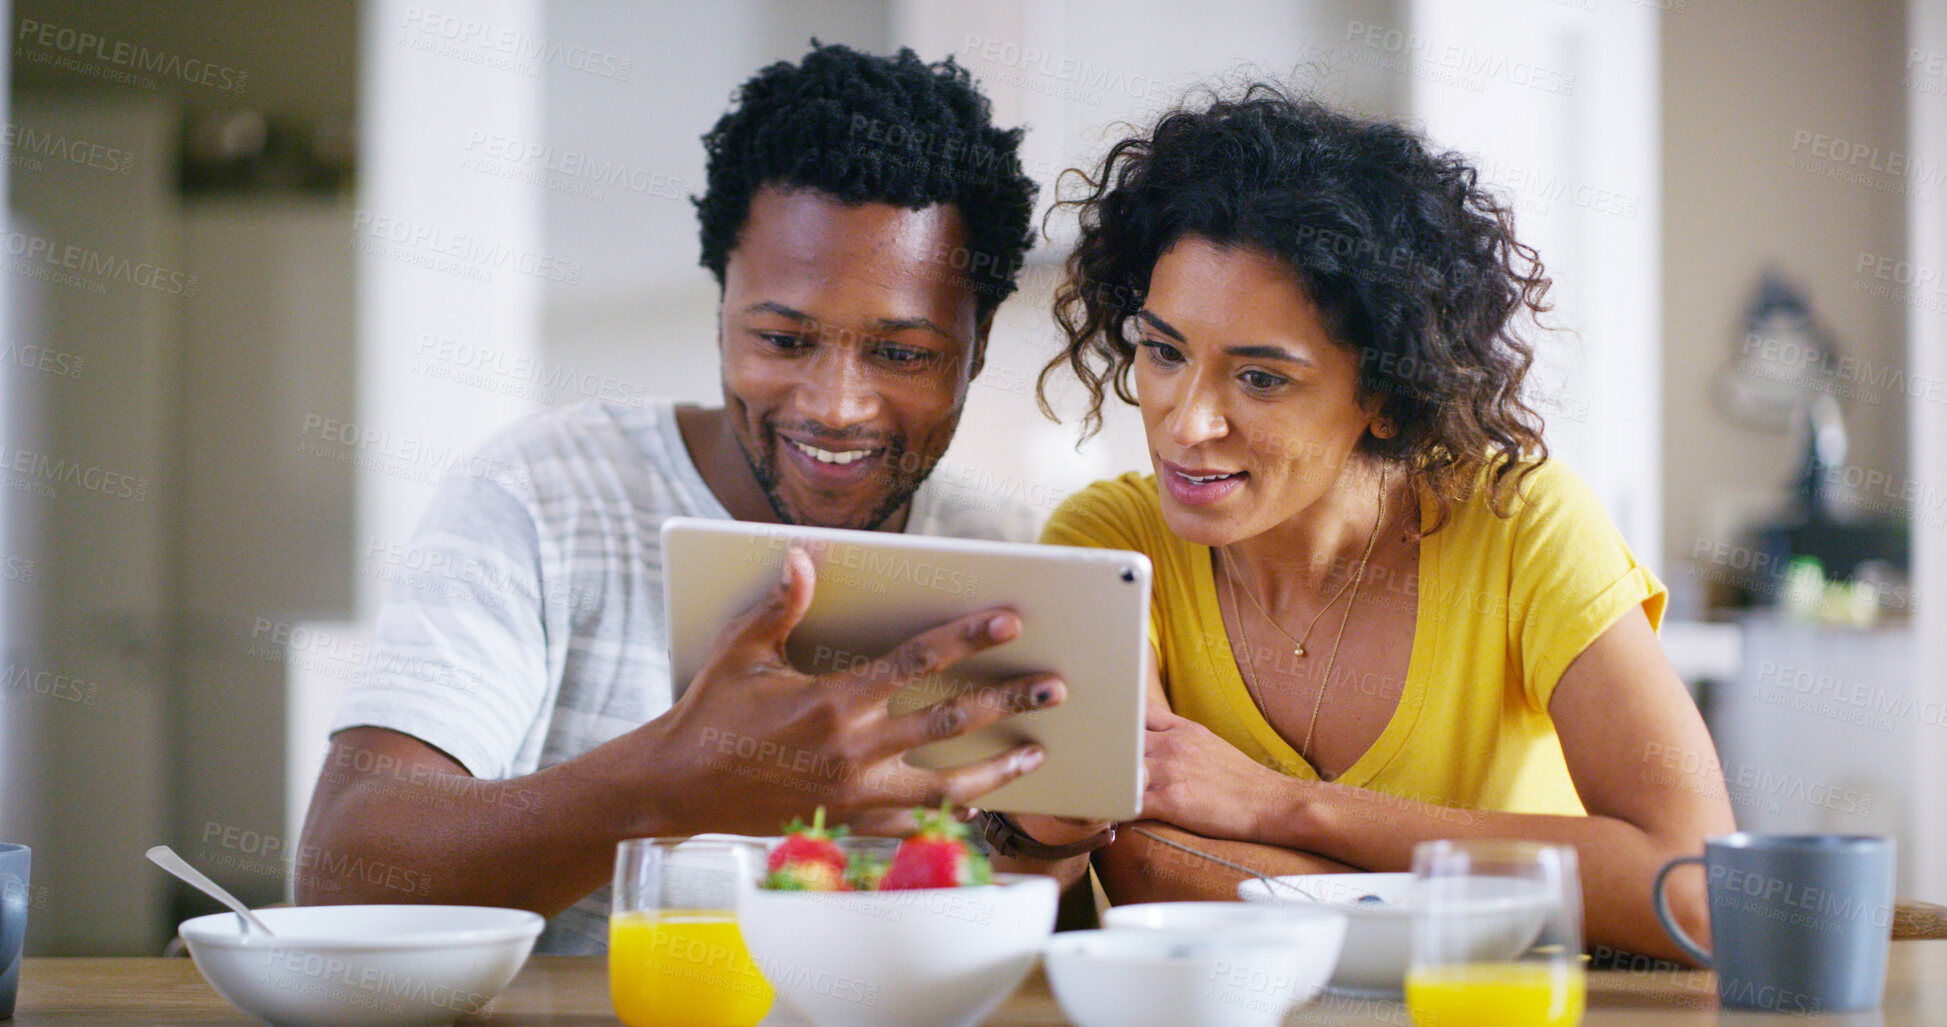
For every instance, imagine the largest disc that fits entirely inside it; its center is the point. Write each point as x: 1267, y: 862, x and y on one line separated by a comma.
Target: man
x: 516, y: 717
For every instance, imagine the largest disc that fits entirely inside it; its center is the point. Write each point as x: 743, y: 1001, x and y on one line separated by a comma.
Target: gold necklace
x: 1298, y: 644
x: 1358, y: 576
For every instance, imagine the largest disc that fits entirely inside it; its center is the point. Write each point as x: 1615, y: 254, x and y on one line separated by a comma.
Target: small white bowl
x: 1318, y: 932
x: 1379, y: 935
x: 1126, y: 977
x: 940, y: 956
x: 363, y: 966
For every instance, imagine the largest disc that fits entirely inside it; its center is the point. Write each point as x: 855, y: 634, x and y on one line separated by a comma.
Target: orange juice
x: 683, y: 968
x: 1496, y: 995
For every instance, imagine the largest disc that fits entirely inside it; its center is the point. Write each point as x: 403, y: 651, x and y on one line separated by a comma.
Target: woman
x: 1381, y: 614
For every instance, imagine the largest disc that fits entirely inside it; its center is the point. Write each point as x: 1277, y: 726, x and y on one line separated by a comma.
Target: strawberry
x: 808, y: 859
x: 938, y: 855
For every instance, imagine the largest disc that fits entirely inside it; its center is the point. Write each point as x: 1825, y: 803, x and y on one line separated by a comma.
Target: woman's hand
x: 1201, y: 783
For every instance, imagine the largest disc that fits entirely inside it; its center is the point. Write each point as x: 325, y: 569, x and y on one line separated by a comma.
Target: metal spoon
x: 166, y: 858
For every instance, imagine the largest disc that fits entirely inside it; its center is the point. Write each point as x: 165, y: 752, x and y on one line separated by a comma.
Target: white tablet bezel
x: 1084, y: 615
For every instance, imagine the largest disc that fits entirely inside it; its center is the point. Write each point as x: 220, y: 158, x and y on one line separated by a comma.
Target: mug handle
x: 1684, y: 941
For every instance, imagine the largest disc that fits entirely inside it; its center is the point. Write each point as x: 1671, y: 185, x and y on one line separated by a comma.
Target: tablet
x: 1084, y: 615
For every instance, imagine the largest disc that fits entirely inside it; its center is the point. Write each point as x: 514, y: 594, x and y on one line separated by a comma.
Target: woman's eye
x: 1161, y: 352
x: 1261, y: 380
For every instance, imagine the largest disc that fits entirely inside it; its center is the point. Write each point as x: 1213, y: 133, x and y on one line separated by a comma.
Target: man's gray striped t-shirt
x: 524, y: 623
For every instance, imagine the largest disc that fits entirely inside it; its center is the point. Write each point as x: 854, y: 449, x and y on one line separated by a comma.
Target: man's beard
x: 765, y: 470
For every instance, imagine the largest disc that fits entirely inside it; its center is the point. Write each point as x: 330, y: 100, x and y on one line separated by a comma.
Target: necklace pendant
x: 1300, y: 651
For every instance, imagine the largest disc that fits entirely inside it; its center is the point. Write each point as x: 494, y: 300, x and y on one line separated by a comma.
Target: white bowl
x: 363, y: 966
x: 1501, y: 922
x: 945, y: 956
x: 1318, y: 932
x: 1126, y: 977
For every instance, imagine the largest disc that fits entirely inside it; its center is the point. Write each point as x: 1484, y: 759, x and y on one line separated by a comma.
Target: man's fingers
x: 962, y: 785
x: 934, y: 650
x: 972, y: 709
x: 882, y: 822
x: 763, y: 628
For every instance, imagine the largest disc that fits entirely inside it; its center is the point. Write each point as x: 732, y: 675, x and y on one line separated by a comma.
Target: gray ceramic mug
x: 1797, y: 922
x: 15, y: 861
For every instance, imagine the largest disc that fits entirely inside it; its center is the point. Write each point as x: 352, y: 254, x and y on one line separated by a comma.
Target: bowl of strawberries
x: 871, y: 931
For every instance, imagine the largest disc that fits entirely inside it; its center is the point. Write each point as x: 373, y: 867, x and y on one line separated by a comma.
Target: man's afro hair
x: 870, y: 129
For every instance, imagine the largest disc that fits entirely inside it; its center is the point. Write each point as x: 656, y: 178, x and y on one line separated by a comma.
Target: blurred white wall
x: 1556, y: 103
x: 452, y: 263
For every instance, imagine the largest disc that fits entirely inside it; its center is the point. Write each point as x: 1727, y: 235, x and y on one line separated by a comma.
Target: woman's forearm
x: 1618, y: 861
x: 1152, y: 861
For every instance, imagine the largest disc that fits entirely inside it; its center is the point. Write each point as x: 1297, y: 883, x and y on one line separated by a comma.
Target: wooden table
x: 568, y: 991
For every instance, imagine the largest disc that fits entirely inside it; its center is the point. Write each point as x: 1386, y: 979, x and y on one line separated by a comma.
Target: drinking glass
x: 1497, y: 935
x: 675, y: 955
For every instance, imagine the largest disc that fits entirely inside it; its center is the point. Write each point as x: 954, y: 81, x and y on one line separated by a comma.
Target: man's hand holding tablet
x: 754, y: 741
x: 918, y: 670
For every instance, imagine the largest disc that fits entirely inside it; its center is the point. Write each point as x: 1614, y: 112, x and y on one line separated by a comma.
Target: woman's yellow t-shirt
x: 1504, y: 605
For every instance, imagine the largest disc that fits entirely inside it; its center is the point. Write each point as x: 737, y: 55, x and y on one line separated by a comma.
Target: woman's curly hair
x: 869, y: 129
x: 1413, y: 264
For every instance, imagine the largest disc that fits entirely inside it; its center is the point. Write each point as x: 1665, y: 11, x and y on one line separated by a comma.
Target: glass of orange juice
x: 675, y: 956
x: 1497, y: 935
